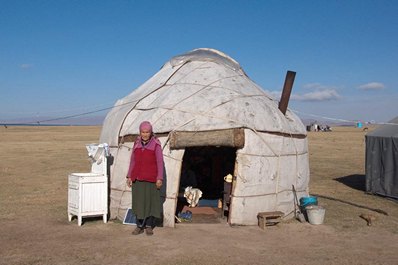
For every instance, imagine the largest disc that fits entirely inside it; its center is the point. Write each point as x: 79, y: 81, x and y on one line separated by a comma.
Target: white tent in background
x: 204, y: 99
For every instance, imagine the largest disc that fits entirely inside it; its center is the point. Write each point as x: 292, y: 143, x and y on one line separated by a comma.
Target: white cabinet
x: 87, y: 196
x: 88, y: 192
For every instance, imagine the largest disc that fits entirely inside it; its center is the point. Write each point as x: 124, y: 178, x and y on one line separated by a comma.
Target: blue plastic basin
x: 310, y: 200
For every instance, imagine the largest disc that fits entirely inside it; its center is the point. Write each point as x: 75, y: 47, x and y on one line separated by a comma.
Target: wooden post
x: 228, y: 137
x: 287, y: 89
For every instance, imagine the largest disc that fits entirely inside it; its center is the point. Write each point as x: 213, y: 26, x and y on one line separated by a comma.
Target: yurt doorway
x: 204, y: 168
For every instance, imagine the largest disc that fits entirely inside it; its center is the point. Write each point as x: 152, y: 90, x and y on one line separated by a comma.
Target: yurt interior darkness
x: 205, y: 168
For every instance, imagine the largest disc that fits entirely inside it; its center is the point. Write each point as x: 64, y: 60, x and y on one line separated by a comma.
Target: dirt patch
x: 34, y: 228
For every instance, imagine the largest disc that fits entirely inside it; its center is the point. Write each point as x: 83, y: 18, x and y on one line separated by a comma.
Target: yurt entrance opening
x: 204, y: 168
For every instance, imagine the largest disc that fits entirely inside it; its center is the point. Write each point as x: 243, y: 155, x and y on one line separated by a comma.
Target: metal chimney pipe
x: 287, y: 89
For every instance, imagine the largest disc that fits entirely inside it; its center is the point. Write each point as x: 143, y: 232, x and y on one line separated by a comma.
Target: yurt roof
x: 201, y: 90
x: 386, y: 130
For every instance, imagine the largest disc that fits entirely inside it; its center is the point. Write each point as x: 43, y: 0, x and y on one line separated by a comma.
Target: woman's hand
x: 129, y: 182
x: 159, y: 184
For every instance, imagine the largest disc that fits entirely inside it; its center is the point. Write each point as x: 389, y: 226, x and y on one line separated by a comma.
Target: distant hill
x: 83, y: 120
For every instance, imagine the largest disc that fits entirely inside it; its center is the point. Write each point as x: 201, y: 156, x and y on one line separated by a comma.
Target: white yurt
x: 207, y: 112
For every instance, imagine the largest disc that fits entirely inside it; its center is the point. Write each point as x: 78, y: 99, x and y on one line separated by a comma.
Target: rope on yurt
x: 257, y: 195
x: 297, y: 162
x: 297, y: 154
x: 148, y: 94
x: 125, y: 184
x: 278, y: 174
x: 203, y: 88
x: 172, y: 158
x: 173, y: 107
x: 278, y: 166
x: 282, y: 155
x: 203, y: 114
x: 191, y: 95
x: 125, y: 187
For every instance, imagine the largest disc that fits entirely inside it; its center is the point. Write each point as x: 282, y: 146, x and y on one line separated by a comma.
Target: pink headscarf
x: 145, y: 126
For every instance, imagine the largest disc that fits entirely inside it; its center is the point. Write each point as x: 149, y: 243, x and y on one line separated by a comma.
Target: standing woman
x: 145, y: 177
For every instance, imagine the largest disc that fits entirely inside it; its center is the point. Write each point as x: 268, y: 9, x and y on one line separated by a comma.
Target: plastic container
x: 307, y: 201
x: 315, y: 214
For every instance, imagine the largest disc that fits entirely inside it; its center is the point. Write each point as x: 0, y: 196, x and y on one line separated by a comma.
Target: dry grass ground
x: 34, y: 229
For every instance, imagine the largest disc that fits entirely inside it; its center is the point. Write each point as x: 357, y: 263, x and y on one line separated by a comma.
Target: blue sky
x: 60, y: 58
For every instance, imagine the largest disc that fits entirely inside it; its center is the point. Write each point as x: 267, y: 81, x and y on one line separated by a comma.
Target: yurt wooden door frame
x: 181, y: 143
x: 204, y: 168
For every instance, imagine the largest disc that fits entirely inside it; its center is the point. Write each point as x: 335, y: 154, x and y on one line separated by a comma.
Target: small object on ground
x: 297, y: 213
x: 315, y: 214
x: 185, y: 216
x: 300, y: 217
x: 369, y: 218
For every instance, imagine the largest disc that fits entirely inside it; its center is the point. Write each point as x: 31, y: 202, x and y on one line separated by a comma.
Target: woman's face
x: 145, y: 135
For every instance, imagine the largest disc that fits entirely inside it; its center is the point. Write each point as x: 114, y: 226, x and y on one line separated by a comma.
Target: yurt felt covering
x: 198, y: 95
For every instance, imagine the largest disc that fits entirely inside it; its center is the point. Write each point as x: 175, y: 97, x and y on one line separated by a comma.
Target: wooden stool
x: 269, y: 218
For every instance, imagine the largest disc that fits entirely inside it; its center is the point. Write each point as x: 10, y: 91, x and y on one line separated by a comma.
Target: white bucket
x: 316, y: 214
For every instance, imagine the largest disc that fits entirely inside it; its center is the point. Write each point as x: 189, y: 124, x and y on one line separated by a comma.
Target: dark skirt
x: 145, y: 199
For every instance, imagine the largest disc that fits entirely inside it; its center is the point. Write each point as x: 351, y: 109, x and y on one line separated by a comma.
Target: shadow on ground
x: 355, y: 181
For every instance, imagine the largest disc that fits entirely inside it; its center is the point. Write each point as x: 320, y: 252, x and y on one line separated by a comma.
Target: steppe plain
x: 34, y: 229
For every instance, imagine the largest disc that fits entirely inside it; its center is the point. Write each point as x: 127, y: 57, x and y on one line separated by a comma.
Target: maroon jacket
x: 146, y: 163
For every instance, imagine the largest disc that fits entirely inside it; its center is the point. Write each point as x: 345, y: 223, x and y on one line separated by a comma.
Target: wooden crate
x: 269, y: 218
